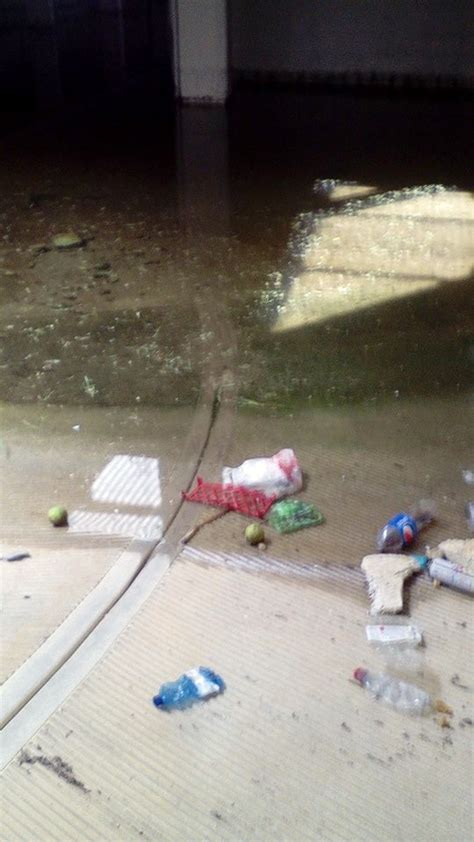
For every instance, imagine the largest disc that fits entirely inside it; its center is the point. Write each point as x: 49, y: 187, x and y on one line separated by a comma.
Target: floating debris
x: 89, y: 387
x: 67, y: 240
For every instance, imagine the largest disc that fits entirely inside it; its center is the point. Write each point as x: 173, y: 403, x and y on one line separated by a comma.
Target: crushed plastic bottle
x: 405, y: 697
x: 402, y: 530
x: 196, y: 684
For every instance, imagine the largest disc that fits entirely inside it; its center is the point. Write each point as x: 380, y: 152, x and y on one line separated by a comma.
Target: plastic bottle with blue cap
x: 196, y: 684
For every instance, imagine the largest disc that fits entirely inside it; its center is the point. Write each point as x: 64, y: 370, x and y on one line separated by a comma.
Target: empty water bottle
x: 399, y: 694
x: 198, y: 683
x: 402, y: 530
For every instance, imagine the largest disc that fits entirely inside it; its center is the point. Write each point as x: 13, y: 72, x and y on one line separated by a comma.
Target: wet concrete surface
x: 281, y: 274
x: 244, y: 242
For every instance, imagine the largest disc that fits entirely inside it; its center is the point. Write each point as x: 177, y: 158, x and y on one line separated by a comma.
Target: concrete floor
x: 225, y: 308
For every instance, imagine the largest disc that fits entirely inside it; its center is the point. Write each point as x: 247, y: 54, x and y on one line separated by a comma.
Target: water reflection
x: 392, y: 246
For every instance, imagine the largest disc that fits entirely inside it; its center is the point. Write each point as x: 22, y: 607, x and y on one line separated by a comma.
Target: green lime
x: 58, y: 516
x: 254, y: 534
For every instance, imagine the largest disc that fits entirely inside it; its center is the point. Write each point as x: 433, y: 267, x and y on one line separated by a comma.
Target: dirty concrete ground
x: 341, y: 327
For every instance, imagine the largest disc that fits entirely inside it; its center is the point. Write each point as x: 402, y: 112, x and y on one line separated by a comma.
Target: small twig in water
x: 192, y: 532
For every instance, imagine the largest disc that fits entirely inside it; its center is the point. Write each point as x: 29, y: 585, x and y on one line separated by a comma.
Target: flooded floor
x: 293, y: 270
x: 300, y: 256
x: 329, y: 296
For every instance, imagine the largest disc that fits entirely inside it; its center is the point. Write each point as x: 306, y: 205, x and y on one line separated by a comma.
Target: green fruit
x: 58, y: 516
x: 254, y: 534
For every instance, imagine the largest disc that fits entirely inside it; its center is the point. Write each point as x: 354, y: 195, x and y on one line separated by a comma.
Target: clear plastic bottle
x: 196, y: 684
x: 402, y: 530
x: 399, y: 694
x: 451, y: 574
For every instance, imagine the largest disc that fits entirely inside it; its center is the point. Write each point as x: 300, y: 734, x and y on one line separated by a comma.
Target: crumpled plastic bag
x: 291, y: 515
x: 277, y: 475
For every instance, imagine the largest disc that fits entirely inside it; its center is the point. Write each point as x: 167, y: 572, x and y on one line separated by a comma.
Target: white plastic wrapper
x: 278, y: 475
x: 394, y: 635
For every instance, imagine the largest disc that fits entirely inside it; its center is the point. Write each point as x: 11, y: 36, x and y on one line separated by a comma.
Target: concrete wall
x: 417, y: 37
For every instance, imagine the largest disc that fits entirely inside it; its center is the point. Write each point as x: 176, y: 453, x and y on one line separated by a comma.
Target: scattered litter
x: 15, y: 556
x: 230, y: 497
x: 276, y: 476
x: 385, y: 574
x: 76, y: 428
x: 290, y: 515
x: 394, y: 635
x: 49, y: 365
x: 254, y: 534
x: 196, y: 684
x: 58, y: 516
x: 468, y: 477
x: 442, y: 707
x: 68, y: 240
x: 89, y: 387
x: 402, y: 530
x: 210, y: 519
x: 405, y: 697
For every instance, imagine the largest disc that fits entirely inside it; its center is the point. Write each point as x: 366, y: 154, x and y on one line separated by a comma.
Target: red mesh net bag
x: 235, y: 498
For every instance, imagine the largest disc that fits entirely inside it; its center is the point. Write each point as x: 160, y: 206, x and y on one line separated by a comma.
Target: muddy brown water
x: 382, y: 311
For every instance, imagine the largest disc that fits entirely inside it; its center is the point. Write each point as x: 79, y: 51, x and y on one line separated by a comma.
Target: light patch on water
x: 129, y: 480
x: 144, y: 527
x: 372, y: 251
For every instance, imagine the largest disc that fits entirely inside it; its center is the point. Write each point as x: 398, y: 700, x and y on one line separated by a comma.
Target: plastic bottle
x: 451, y: 574
x: 196, y: 684
x: 402, y: 530
x: 399, y: 694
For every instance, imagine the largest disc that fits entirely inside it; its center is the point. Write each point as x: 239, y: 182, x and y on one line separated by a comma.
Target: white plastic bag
x: 278, y: 475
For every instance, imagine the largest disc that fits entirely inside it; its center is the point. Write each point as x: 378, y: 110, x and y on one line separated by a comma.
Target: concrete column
x: 200, y: 50
x: 202, y: 165
x: 44, y: 52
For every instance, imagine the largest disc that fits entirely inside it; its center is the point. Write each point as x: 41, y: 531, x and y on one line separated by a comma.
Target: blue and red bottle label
x: 406, y: 526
